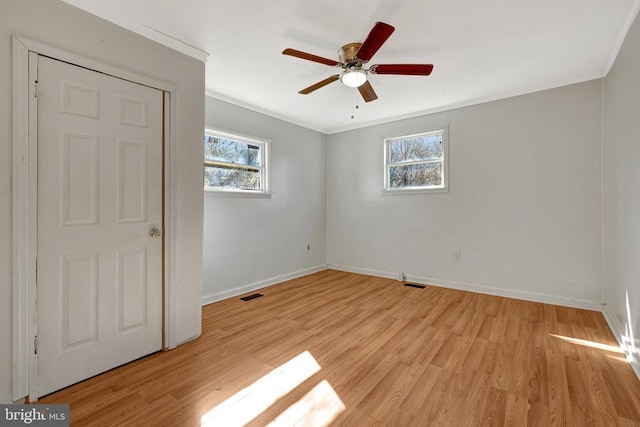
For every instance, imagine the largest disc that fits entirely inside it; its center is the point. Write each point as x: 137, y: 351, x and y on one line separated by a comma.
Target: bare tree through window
x: 415, y: 161
x: 233, y: 164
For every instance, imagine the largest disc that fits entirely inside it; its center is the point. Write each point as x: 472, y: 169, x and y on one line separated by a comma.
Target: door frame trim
x: 24, y: 204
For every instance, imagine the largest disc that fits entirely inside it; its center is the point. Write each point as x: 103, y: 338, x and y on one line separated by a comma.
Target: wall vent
x: 413, y: 285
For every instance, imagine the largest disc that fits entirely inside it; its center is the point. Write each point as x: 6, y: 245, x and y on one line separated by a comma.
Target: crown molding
x: 140, y: 29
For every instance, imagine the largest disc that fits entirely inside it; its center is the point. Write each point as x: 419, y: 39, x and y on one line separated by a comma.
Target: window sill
x: 415, y: 191
x: 236, y: 194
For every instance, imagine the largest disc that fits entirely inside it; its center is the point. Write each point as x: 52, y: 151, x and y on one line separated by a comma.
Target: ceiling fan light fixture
x: 353, y: 78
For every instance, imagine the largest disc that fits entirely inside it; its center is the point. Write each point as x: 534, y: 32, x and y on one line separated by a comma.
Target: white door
x: 99, y: 263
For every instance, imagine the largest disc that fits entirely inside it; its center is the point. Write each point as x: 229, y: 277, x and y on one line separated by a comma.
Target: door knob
x: 155, y: 232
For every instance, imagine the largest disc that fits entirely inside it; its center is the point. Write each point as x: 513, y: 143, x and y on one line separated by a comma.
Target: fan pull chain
x: 355, y: 105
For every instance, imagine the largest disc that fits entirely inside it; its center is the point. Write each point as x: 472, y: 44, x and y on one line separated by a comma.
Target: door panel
x: 78, y: 300
x: 99, y: 271
x: 79, y: 178
x: 132, y: 181
x: 132, y: 289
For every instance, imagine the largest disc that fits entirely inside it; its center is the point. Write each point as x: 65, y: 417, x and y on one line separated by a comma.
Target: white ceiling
x: 482, y: 50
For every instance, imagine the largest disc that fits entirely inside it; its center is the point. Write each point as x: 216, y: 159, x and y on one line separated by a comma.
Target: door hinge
x: 35, y: 345
x: 35, y: 89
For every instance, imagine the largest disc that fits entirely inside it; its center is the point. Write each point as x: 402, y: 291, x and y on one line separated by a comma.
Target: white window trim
x: 386, y: 190
x: 265, y: 168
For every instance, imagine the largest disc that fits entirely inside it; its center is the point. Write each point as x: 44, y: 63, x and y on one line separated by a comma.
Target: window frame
x: 264, y: 168
x: 387, y: 189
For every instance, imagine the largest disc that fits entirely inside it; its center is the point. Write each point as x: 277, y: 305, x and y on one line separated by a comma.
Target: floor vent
x: 413, y: 285
x: 250, y: 297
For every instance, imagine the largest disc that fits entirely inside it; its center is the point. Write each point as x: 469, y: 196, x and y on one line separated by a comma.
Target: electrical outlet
x: 308, y: 247
x: 456, y: 255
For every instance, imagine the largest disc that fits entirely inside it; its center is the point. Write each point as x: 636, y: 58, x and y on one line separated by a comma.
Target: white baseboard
x: 229, y: 293
x: 508, y: 293
x: 192, y: 338
x: 364, y: 271
x: 618, y: 332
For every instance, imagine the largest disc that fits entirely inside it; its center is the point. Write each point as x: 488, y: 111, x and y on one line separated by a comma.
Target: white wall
x: 60, y: 25
x: 622, y: 194
x: 254, y: 242
x: 524, y: 205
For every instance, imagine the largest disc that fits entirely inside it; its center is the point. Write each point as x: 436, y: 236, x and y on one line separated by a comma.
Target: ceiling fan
x: 354, y: 56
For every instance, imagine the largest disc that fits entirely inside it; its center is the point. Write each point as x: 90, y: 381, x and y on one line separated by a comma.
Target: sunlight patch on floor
x: 593, y: 344
x: 253, y: 400
x: 317, y: 408
x: 618, y: 358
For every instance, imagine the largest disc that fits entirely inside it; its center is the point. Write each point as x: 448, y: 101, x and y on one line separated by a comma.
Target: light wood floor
x: 377, y: 354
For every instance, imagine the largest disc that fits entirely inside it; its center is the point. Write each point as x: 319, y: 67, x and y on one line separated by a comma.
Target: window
x: 416, y: 162
x: 234, y: 163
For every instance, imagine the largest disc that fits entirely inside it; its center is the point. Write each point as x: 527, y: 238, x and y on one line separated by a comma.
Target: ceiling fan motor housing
x: 347, y: 54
